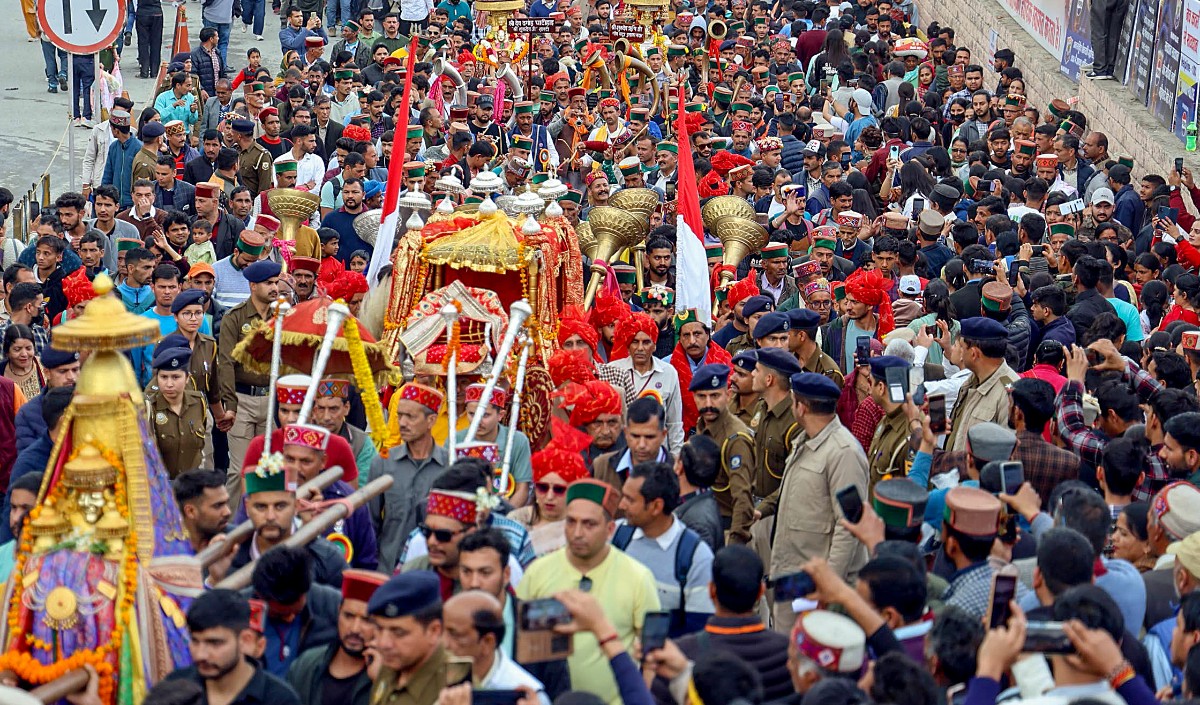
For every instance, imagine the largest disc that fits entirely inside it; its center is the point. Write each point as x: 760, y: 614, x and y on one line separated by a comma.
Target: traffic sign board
x: 81, y: 26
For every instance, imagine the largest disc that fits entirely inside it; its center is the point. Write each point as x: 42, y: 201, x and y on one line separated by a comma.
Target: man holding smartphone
x: 890, y: 450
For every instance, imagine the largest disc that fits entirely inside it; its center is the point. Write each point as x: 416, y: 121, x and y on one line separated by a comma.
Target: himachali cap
x: 630, y: 166
x: 997, y: 296
x: 1062, y: 229
x: 1026, y: 147
x: 769, y: 144
x: 900, y: 502
x: 1126, y: 161
x: 525, y: 107
x: 269, y: 222
x: 415, y: 132
x: 677, y: 50
x: 680, y: 320
x: 956, y: 70
x: 285, y: 166
x: 1190, y: 340
x: 119, y: 118
x: 972, y: 511
x: 343, y: 75
x: 1014, y: 100
x: 206, y: 190
x: 775, y: 250
x: 594, y: 491
x: 174, y: 127
x: 803, y: 270
x: 713, y: 376
x: 1048, y: 161
x: 1176, y: 508
x: 361, y: 584
x: 333, y: 388
x: 268, y: 478
x: 771, y: 323
x: 314, y: 41
x: 1058, y: 108
x: 834, y: 642
x: 290, y: 389
x: 547, y: 96
x: 261, y: 271
x: 522, y: 142
x: 124, y: 244
x: 849, y: 219
x: 714, y: 250
x: 411, y: 592
x: 576, y: 92
x: 414, y: 170
x: 427, y: 397
x: 740, y: 125
x: 667, y: 147
x: 498, y: 399
x: 812, y: 385
x: 453, y: 505
x: 306, y: 435
x: 267, y: 112
x: 458, y: 114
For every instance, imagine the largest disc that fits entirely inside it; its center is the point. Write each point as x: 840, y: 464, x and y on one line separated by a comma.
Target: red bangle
x: 611, y: 637
x: 1121, y: 675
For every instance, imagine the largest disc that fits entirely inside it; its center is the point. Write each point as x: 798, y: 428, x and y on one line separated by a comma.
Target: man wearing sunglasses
x: 449, y: 516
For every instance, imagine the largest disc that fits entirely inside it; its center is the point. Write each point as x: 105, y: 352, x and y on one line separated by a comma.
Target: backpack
x: 685, y: 553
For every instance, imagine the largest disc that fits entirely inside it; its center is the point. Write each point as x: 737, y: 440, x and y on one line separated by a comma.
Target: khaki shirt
x: 740, y: 343
x: 889, y: 453
x: 771, y: 432
x: 180, y: 436
x: 254, y: 168
x: 806, y: 524
x: 980, y: 401
x: 236, y: 323
x: 143, y: 166
x: 822, y: 364
x: 424, y: 685
x: 732, y: 486
x: 746, y: 416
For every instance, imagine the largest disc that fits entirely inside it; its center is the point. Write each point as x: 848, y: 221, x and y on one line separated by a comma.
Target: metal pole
x: 71, y: 121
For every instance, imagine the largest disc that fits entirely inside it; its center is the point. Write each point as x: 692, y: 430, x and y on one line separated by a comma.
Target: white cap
x: 1103, y: 195
x: 910, y: 284
x: 835, y: 642
x: 863, y: 97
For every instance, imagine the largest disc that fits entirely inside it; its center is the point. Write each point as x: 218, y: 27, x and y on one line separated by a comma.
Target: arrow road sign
x: 81, y: 26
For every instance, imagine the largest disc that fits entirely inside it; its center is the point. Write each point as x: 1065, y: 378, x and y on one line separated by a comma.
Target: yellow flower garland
x: 365, y: 382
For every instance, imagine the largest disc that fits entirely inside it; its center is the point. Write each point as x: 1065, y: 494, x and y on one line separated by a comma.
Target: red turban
x: 871, y: 288
x: 77, y: 288
x: 346, y: 285
x: 562, y: 454
x: 627, y: 329
x: 712, y: 185
x: 590, y: 400
x: 358, y: 133
x: 570, y: 366
x: 722, y: 162
x: 608, y: 309
x: 742, y: 290
x: 573, y: 321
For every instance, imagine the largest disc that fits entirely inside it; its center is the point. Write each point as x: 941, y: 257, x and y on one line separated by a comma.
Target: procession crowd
x: 939, y: 441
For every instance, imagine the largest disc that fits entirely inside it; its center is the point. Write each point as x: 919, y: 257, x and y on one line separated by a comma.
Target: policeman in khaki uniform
x: 743, y: 401
x: 755, y: 308
x: 255, y: 165
x: 984, y: 396
x: 407, y: 612
x: 773, y: 420
x: 890, y: 452
x: 825, y: 458
x: 731, y: 489
x: 178, y: 415
x: 802, y: 341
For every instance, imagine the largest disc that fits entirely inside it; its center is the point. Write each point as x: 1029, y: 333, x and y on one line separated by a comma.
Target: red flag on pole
x: 391, y: 195
x: 691, y: 276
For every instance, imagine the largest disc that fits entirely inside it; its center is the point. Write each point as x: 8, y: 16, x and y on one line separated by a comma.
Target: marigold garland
x: 23, y: 663
x: 365, y: 382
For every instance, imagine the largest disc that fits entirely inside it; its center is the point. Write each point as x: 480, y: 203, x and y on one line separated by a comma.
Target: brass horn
x: 723, y: 207
x: 292, y: 207
x: 587, y: 241
x: 739, y: 237
x: 614, y: 230
x: 621, y: 45
x: 717, y: 30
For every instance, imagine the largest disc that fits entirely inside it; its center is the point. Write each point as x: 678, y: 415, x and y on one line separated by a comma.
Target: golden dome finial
x: 102, y: 284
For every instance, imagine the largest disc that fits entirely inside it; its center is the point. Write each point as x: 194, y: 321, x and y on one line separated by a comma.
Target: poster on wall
x: 1141, y: 61
x: 1077, y: 48
x: 1189, y: 65
x: 1044, y: 20
x: 1125, y: 44
x: 1166, y: 61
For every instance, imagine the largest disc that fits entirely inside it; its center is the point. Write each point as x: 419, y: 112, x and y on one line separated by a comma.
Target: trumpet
x: 717, y: 31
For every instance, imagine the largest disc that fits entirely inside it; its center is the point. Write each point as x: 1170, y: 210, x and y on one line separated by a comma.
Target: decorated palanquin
x: 498, y: 252
x: 104, y: 573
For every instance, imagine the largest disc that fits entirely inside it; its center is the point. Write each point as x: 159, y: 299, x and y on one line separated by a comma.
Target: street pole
x: 71, y: 122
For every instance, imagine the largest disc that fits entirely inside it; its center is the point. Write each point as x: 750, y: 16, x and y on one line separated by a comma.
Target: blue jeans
x: 81, y: 92
x: 332, y: 12
x: 56, y: 62
x: 222, y: 39
x: 254, y: 11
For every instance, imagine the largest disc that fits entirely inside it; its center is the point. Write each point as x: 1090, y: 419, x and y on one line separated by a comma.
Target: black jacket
x: 202, y: 66
x: 327, y: 566
x: 197, y: 171
x: 318, y: 619
x: 967, y: 300
x: 764, y: 649
x: 184, y: 198
x: 1088, y: 305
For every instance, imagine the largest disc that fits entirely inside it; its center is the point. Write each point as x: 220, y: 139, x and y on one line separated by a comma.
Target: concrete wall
x: 1108, y: 105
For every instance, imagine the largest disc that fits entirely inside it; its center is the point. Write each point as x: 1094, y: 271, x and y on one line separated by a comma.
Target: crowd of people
x: 938, y: 443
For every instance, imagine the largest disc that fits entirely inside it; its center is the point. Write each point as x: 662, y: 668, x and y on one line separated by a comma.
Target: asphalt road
x: 34, y: 132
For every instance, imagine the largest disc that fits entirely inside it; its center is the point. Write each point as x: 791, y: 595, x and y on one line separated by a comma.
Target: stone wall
x: 1108, y: 105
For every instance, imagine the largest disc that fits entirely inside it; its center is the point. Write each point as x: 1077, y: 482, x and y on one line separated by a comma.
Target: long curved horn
x: 509, y: 76
x: 441, y: 67
x: 641, y: 67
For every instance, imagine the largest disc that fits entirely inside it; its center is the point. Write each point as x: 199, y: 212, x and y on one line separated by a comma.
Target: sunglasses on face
x: 548, y: 488
x: 442, y: 535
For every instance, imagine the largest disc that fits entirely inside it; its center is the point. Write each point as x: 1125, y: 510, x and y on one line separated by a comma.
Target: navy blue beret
x: 261, y: 271
x: 779, y: 360
x: 174, y: 340
x: 815, y: 386
x: 172, y: 359
x: 713, y: 376
x: 404, y: 594
x: 804, y: 318
x: 983, y: 328
x: 246, y: 127
x: 746, y: 360
x: 880, y: 365
x: 189, y: 297
x: 52, y: 358
x: 773, y: 322
x: 757, y: 304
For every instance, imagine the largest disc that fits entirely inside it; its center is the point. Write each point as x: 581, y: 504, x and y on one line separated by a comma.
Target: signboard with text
x: 632, y: 32
x: 531, y: 25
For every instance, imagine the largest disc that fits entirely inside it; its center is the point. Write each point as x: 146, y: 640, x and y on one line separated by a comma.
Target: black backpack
x: 682, y: 622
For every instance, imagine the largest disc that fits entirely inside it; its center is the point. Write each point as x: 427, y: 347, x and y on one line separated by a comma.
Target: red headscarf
x: 590, y: 400
x: 570, y: 366
x: 871, y: 288
x: 573, y: 321
x: 722, y: 162
x: 711, y: 185
x: 562, y: 454
x: 608, y: 309
x: 627, y: 329
x: 743, y: 290
x: 346, y: 285
x: 77, y: 288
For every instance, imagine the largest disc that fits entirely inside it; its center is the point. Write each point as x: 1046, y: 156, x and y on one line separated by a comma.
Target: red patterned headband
x: 306, y: 435
x: 498, y: 398
x: 455, y: 505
